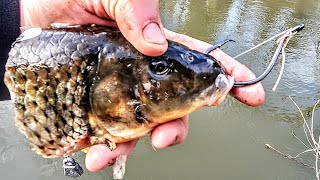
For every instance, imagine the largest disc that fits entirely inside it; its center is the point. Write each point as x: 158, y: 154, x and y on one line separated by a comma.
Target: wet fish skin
x: 75, y: 87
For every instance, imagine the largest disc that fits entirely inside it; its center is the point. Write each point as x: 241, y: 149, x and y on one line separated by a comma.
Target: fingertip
x: 99, y: 157
x: 140, y: 23
x: 149, y: 40
x: 161, y: 139
x: 171, y: 133
x: 253, y: 95
x: 156, y: 43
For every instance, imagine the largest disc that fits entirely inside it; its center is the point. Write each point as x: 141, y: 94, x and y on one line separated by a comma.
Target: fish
x: 80, y: 86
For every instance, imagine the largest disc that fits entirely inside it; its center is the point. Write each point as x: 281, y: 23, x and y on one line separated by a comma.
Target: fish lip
x: 224, y: 84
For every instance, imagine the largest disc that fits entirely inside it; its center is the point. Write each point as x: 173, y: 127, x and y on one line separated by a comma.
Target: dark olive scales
x: 75, y: 87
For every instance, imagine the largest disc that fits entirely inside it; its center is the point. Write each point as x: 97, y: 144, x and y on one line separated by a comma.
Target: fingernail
x: 174, y: 141
x: 153, y: 34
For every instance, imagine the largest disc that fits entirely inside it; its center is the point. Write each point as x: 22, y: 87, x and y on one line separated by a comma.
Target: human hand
x: 133, y: 19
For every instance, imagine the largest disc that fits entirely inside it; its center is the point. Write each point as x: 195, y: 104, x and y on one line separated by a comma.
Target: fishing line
x: 294, y: 29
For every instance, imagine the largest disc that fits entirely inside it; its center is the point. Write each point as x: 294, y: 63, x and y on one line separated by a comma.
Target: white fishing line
x: 264, y: 42
x: 281, y: 70
x: 283, y: 40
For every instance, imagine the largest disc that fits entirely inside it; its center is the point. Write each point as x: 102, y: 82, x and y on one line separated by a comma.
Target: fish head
x: 179, y: 82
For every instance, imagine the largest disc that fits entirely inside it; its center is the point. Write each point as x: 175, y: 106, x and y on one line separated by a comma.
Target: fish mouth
x: 223, y: 84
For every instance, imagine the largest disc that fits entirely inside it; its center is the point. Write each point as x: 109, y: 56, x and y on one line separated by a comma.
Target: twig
x: 268, y: 146
x: 309, y: 133
x: 294, y: 135
x: 305, y: 123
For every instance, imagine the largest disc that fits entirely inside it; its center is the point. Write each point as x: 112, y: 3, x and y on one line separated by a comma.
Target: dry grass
x: 312, y: 145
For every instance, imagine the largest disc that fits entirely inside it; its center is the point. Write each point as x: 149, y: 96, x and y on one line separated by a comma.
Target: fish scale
x: 50, y: 110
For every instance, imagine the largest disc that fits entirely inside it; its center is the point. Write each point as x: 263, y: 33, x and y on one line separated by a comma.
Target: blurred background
x: 225, y: 142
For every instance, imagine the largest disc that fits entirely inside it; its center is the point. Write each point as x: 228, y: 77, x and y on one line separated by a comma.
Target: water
x: 225, y: 142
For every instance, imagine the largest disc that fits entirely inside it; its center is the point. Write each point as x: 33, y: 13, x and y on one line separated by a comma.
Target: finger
x: 100, y: 156
x: 252, y: 95
x: 171, y: 133
x: 140, y: 23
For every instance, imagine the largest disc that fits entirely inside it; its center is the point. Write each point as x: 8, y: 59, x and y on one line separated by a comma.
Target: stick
x: 268, y: 146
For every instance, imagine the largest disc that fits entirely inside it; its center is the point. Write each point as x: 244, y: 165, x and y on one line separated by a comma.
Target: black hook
x: 272, y: 62
x: 218, y: 45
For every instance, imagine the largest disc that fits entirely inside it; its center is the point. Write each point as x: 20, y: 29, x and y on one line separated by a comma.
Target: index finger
x: 252, y: 95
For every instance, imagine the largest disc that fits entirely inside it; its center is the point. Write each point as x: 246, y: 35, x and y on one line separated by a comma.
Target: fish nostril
x: 190, y: 58
x: 187, y: 57
x: 181, y: 90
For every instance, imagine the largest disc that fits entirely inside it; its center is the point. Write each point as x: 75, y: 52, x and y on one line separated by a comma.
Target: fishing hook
x: 283, y: 40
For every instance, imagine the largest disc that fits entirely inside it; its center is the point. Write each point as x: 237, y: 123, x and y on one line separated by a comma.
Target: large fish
x: 76, y: 87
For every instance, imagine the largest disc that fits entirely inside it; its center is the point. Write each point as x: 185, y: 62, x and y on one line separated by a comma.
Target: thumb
x: 139, y: 21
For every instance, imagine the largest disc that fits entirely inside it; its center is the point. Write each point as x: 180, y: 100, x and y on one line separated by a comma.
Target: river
x: 225, y: 142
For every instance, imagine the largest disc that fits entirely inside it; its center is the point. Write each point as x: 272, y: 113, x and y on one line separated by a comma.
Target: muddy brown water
x: 225, y: 142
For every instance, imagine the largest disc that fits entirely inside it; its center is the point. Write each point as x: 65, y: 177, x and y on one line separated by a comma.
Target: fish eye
x: 159, y: 66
